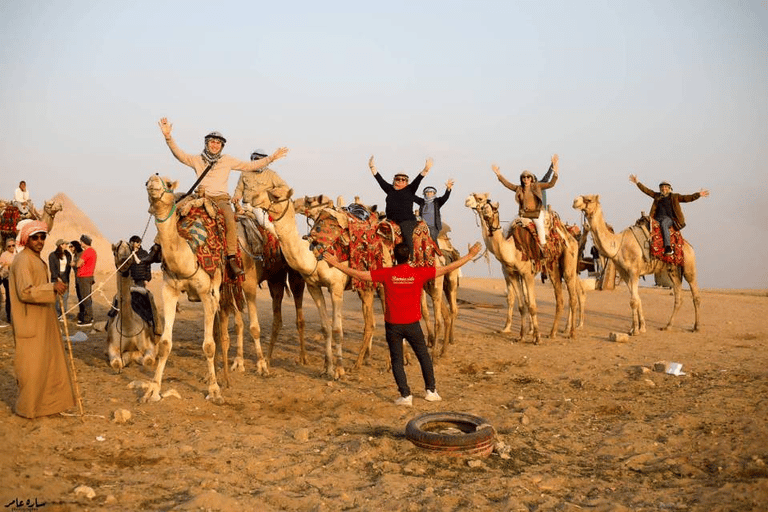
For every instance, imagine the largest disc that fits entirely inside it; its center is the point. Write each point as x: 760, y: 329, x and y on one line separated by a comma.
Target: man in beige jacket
x: 216, y: 181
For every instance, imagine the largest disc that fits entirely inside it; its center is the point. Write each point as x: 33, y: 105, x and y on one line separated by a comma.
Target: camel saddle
x: 143, y: 304
x: 201, y: 223
x: 257, y: 242
x: 647, y: 232
x: 523, y: 232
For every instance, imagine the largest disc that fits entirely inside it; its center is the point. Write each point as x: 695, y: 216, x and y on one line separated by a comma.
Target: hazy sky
x: 672, y: 91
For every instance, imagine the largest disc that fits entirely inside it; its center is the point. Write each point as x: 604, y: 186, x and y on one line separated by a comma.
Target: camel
x: 625, y: 252
x: 256, y: 272
x: 181, y: 273
x: 522, y: 272
x: 317, y: 275
x: 130, y: 338
x: 50, y: 208
x: 449, y: 308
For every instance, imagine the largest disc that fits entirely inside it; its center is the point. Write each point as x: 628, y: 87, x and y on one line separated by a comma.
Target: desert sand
x: 582, y: 424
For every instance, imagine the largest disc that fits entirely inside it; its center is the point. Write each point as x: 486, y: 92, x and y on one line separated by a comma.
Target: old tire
x: 470, y: 436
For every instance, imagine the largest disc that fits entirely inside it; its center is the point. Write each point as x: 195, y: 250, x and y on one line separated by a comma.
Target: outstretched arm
x: 351, y: 272
x: 372, y: 166
x: 704, y: 192
x: 473, y: 251
x: 427, y: 167
x: 165, y: 127
x: 509, y: 185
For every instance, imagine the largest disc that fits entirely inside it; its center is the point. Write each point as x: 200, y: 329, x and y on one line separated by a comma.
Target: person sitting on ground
x: 141, y: 273
x: 529, y: 196
x: 60, y: 265
x: 666, y: 208
x: 429, y: 208
x: 253, y: 183
x: 400, y: 198
x: 215, y: 166
x: 402, y: 291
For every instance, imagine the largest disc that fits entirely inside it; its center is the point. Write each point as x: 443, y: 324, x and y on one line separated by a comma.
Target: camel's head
x: 160, y: 192
x: 52, y: 207
x: 122, y: 253
x: 487, y: 210
x: 310, y: 206
x: 587, y: 204
x: 476, y: 199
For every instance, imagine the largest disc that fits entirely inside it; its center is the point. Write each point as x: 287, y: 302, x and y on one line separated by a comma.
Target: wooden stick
x: 71, y: 360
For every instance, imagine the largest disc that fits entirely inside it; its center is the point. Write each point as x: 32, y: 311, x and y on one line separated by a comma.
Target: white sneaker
x: 432, y: 396
x: 405, y: 400
x: 3, y: 325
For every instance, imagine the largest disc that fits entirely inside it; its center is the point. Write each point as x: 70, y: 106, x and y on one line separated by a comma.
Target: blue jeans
x: 665, y: 223
x: 395, y: 334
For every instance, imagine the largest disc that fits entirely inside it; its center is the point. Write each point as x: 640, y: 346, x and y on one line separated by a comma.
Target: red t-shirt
x: 403, y: 285
x: 89, y: 263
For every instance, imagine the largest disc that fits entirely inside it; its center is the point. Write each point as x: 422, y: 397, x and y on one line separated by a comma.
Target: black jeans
x: 6, y: 285
x: 406, y: 230
x: 84, y: 286
x: 412, y: 332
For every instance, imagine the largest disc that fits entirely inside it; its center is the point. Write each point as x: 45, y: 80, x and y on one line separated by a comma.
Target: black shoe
x: 668, y: 251
x: 155, y: 255
x: 234, y: 267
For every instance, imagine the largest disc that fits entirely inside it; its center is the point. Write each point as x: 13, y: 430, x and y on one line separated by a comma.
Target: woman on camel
x: 529, y: 196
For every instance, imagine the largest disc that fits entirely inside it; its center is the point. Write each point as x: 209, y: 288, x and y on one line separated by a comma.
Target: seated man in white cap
x: 666, y: 208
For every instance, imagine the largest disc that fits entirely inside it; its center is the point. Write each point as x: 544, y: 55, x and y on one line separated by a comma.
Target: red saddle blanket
x: 8, y: 221
x: 527, y: 242
x: 207, y: 238
x: 657, y: 245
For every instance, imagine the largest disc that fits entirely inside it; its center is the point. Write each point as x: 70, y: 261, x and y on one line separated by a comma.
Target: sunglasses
x: 401, y: 179
x: 38, y: 236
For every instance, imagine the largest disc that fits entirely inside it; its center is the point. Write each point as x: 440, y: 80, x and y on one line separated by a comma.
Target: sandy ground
x: 586, y: 428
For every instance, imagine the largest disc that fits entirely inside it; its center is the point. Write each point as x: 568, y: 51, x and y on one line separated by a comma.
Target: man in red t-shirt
x: 85, y: 265
x: 402, y: 285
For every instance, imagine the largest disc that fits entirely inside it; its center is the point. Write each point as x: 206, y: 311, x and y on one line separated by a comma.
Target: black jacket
x: 53, y: 266
x: 439, y: 202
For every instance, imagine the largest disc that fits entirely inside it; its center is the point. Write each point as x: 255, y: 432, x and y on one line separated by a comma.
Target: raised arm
x: 351, y: 272
x: 181, y: 156
x: 508, y: 184
x: 473, y: 251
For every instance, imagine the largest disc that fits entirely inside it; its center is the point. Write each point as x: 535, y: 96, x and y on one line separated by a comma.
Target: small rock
x: 301, y: 435
x: 619, y: 337
x: 171, y: 392
x: 649, y: 383
x: 524, y: 420
x: 660, y: 366
x: 110, y: 499
x: 474, y: 463
x: 84, y: 490
x: 121, y: 416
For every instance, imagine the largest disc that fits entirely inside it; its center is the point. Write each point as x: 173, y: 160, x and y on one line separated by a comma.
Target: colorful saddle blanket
x: 8, y: 220
x: 657, y: 244
x: 527, y: 242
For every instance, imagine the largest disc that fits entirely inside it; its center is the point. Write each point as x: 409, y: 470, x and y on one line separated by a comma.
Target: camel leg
x: 638, y: 320
x: 530, y: 294
x: 364, y: 354
x: 337, y: 299
x: 557, y: 286
x: 677, y: 289
x: 296, y: 284
x: 170, y: 299
x: 450, y: 310
x: 276, y: 292
x: 209, y: 347
x: 113, y: 349
x: 512, y: 293
x: 224, y: 340
x: 689, y: 272
x: 317, y: 295
x: 427, y: 317
x: 436, y: 293
x: 573, y: 285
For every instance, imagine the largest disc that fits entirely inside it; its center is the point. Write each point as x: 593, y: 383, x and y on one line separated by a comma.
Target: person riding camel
x: 253, y: 183
x: 529, y: 196
x: 213, y: 168
x: 400, y: 198
x: 666, y: 208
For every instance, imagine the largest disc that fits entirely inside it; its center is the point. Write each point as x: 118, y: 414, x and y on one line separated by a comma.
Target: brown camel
x: 130, y: 338
x: 625, y: 252
x: 275, y: 273
x: 181, y: 273
x: 317, y: 275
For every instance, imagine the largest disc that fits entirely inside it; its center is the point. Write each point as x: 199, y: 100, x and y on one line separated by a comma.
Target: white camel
x: 625, y: 252
x: 181, y: 273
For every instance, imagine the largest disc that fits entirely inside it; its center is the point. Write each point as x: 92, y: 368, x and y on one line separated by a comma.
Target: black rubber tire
x: 477, y: 437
